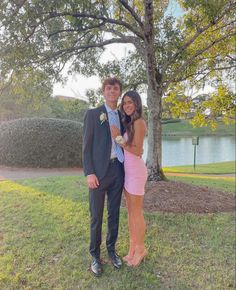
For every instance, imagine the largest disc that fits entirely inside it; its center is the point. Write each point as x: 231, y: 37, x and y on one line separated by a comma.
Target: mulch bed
x: 179, y: 197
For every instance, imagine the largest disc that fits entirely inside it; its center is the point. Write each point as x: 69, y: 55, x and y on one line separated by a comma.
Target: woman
x: 135, y: 173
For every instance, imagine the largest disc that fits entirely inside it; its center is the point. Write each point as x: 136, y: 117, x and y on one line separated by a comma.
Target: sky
x: 77, y: 84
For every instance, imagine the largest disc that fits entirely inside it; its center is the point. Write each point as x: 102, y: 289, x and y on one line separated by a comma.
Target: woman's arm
x: 139, y: 134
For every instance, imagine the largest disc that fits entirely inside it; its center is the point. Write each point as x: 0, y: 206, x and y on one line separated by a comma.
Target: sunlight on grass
x: 200, y: 176
x: 43, y: 227
x: 224, y: 184
x: 45, y: 237
x: 211, y: 168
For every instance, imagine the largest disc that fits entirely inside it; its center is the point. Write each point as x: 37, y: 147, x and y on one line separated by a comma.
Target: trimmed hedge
x: 41, y: 142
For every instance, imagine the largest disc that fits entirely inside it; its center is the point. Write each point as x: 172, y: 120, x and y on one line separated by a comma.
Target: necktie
x: 114, y: 120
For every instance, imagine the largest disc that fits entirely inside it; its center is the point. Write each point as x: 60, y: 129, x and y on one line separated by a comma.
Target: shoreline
x: 195, y: 134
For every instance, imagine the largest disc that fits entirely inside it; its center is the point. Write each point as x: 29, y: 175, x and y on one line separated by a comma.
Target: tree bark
x: 154, y: 154
x: 154, y: 79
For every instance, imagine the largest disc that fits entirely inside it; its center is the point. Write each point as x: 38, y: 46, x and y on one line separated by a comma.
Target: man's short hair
x: 111, y: 81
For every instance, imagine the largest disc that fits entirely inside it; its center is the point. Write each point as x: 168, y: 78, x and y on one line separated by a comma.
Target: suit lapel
x: 107, y: 122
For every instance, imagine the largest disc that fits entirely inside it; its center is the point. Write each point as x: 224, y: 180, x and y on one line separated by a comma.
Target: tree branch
x: 133, y: 39
x: 132, y: 12
x: 230, y: 57
x: 19, y: 4
x: 98, y: 17
x: 76, y: 30
x: 82, y: 48
x: 205, y: 71
x: 197, y: 34
x: 199, y: 52
x: 124, y: 39
x: 225, y: 25
x: 216, y: 69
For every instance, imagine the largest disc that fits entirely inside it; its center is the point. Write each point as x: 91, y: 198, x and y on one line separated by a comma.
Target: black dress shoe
x: 96, y: 267
x: 115, y: 259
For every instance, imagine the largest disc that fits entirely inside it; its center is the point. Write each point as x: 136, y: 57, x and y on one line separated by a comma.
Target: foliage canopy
x: 196, y: 48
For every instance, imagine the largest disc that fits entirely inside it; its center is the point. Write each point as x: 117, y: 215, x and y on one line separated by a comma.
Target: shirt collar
x: 109, y: 110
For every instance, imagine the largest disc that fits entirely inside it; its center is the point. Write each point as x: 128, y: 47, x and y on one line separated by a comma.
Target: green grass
x: 44, y: 237
x: 211, y: 168
x: 186, y: 129
x: 225, y: 184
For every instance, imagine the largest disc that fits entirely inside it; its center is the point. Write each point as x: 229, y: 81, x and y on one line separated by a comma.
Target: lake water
x: 211, y: 149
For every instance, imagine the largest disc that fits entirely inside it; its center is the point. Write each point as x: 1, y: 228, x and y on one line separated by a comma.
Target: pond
x: 211, y: 149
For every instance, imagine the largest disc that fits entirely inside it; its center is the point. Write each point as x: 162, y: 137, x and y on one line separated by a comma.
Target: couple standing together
x: 112, y: 150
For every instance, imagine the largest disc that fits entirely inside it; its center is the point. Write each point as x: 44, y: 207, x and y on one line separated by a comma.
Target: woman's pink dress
x: 135, y: 173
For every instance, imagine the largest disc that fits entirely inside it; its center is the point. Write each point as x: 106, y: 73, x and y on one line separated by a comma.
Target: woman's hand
x: 114, y: 131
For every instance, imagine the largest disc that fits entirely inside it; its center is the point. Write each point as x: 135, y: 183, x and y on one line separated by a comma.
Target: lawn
x: 212, y: 168
x: 224, y: 184
x: 44, y: 239
x: 202, y: 175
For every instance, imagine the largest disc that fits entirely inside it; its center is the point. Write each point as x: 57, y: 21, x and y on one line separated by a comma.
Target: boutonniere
x: 103, y: 117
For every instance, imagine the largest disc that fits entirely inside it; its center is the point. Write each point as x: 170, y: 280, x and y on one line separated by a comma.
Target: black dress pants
x: 112, y: 185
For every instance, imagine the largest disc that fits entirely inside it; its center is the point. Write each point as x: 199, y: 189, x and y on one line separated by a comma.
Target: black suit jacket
x: 97, y: 142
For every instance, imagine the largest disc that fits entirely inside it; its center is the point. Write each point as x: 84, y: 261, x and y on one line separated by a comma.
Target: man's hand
x: 92, y: 181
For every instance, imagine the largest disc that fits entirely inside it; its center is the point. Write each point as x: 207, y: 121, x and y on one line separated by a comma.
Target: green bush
x: 41, y: 142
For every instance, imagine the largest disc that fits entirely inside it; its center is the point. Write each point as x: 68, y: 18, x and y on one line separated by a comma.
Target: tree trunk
x: 154, y: 79
x: 154, y: 155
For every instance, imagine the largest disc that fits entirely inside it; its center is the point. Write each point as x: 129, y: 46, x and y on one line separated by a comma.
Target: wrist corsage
x: 120, y: 140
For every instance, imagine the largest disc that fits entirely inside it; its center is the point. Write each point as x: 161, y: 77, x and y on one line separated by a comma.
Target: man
x: 103, y: 165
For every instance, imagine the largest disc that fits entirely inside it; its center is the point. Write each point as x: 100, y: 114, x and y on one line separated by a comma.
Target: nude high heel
x: 130, y: 255
x: 141, y: 258
x: 127, y: 258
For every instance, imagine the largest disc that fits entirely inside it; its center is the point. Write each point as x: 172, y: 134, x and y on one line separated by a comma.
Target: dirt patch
x: 163, y: 196
x: 179, y: 197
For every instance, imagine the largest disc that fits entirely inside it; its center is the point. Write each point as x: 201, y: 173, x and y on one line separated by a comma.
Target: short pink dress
x: 135, y: 173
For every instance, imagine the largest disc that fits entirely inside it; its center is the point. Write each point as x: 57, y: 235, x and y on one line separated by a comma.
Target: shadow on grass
x: 45, y: 236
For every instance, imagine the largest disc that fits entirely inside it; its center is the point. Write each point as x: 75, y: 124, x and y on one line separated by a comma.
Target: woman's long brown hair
x: 128, y: 121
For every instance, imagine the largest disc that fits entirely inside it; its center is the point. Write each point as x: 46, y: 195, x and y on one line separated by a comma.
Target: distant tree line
x: 30, y: 95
